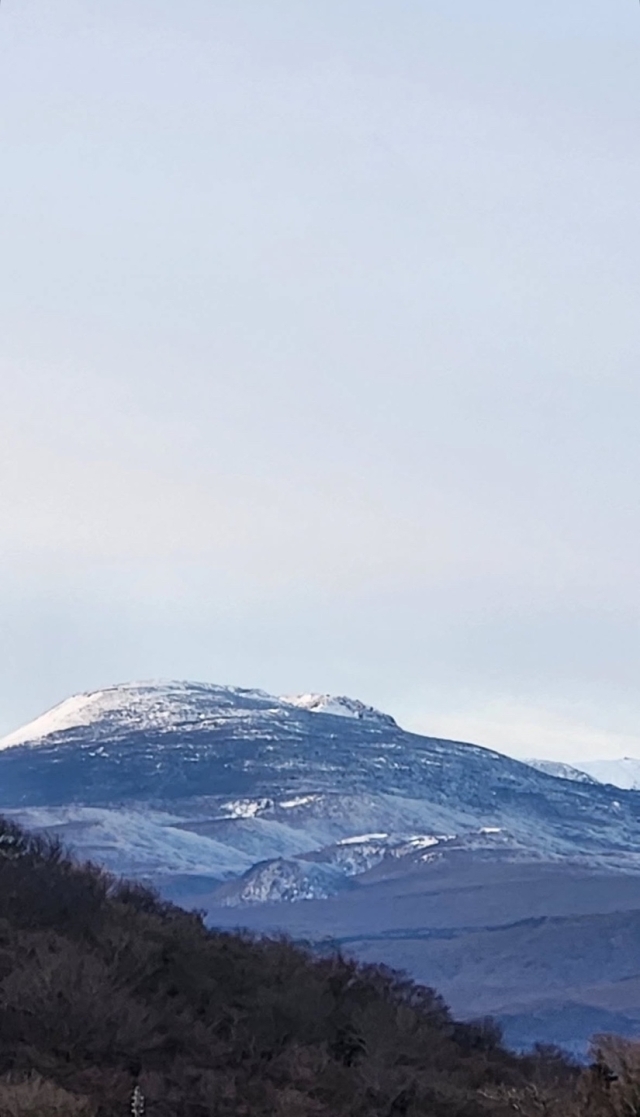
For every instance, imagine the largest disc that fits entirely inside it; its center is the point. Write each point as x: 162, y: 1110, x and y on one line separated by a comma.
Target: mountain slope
x: 240, y: 803
x: 211, y: 780
x: 562, y: 771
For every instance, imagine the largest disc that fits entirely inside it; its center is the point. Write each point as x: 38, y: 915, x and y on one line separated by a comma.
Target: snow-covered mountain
x: 562, y: 771
x: 239, y: 802
x: 162, y: 707
x: 208, y: 781
x: 624, y: 772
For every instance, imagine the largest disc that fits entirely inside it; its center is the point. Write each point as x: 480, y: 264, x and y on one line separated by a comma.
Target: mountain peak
x: 165, y: 705
x: 338, y: 705
x: 155, y: 704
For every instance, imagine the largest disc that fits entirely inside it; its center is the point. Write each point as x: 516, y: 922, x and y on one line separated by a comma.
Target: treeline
x: 104, y: 987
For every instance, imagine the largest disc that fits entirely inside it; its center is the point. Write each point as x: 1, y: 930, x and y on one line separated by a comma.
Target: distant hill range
x: 498, y: 881
x: 624, y: 772
x: 620, y: 773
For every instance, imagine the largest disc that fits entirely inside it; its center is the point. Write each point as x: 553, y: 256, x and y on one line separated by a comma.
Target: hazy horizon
x: 319, y: 363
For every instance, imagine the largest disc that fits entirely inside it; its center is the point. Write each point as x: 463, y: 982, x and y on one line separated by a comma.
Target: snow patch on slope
x: 136, y: 705
x: 282, y: 881
x: 82, y: 709
x: 340, y: 706
x: 128, y: 841
x: 561, y: 771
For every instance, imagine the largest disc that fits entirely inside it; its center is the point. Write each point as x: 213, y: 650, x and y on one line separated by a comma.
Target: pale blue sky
x: 319, y: 357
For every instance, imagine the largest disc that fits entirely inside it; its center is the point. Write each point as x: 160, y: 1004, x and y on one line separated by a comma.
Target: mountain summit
x: 308, y: 771
x: 163, y: 707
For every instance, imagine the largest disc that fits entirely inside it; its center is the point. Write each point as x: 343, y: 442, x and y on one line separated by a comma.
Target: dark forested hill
x: 103, y: 987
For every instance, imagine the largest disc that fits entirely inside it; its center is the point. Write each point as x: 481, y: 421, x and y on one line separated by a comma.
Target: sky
x: 319, y: 354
